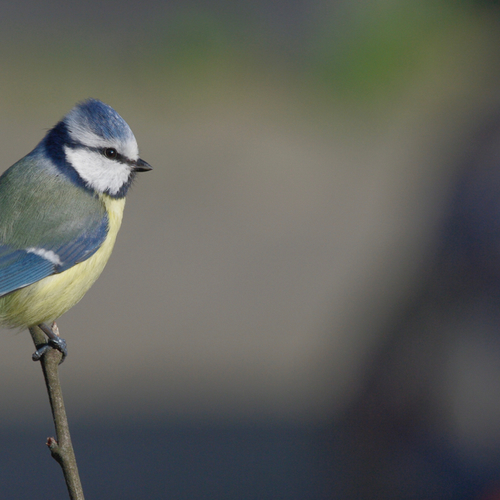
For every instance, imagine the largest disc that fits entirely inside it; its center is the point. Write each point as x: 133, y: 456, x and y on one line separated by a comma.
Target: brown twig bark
x: 60, y: 446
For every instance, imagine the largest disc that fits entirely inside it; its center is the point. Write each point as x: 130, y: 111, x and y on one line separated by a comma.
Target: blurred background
x: 304, y: 299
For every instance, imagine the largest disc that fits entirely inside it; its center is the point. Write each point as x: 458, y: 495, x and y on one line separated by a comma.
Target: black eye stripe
x: 111, y: 154
x: 118, y: 157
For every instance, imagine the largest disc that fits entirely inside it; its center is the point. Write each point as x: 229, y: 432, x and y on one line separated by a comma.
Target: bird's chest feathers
x: 114, y: 208
x: 88, y: 271
x: 51, y: 297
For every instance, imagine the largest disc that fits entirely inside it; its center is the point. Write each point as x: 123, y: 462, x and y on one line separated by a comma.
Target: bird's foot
x: 53, y: 342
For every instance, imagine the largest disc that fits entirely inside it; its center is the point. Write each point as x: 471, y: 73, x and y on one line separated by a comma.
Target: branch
x: 60, y: 447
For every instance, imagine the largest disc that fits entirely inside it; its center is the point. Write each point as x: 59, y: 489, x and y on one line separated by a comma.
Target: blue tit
x: 61, y: 207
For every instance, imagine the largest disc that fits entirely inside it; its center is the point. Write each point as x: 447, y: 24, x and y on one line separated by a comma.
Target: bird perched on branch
x: 61, y: 207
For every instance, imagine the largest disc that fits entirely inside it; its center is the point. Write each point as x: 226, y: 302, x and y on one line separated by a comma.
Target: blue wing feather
x: 19, y: 268
x: 22, y: 267
x: 82, y: 247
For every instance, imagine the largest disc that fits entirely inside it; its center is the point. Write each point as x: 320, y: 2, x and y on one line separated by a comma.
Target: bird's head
x: 95, y: 147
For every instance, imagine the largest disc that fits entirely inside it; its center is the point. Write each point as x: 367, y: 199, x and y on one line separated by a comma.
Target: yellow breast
x: 51, y: 297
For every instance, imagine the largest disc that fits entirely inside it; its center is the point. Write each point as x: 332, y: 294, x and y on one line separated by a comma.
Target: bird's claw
x: 59, y: 344
x: 53, y: 342
x: 40, y: 352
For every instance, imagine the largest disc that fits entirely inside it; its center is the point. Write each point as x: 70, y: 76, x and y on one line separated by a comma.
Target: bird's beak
x: 142, y: 166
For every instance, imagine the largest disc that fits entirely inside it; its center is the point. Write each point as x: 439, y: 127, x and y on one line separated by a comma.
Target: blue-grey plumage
x: 60, y: 210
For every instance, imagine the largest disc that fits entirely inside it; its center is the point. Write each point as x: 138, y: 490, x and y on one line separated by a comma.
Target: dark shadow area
x: 426, y: 424
x: 174, y: 461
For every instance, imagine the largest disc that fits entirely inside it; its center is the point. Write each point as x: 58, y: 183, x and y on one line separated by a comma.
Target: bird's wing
x: 22, y: 267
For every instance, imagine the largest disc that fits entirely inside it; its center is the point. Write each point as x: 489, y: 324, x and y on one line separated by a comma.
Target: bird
x: 61, y: 207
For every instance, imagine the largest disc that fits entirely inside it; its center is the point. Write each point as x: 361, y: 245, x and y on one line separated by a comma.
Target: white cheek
x: 97, y: 171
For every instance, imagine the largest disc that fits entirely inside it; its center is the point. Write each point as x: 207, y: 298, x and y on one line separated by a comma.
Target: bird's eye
x: 110, y: 153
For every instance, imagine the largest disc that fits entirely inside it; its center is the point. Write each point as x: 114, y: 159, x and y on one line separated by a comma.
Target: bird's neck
x: 114, y: 209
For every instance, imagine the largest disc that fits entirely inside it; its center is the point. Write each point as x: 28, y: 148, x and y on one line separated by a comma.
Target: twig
x: 60, y: 447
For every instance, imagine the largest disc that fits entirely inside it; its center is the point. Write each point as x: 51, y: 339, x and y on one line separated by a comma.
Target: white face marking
x: 46, y: 254
x: 127, y: 148
x: 99, y: 172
